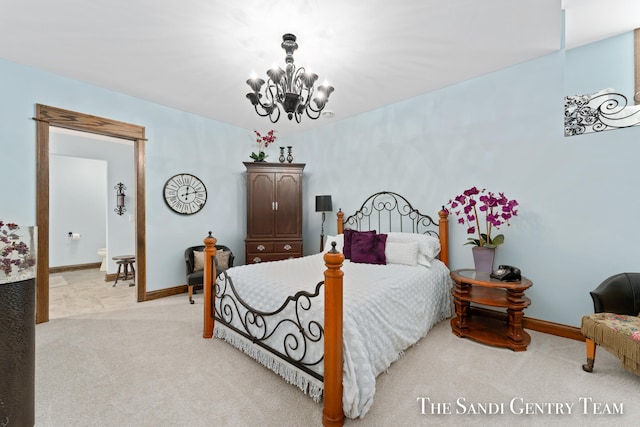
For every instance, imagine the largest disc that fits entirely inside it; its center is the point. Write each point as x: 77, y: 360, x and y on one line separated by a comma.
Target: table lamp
x: 323, y: 204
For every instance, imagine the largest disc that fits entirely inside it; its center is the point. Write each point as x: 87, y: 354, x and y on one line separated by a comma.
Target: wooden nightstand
x: 479, y: 288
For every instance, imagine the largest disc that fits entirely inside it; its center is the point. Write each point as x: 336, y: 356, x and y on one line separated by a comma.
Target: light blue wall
x: 502, y: 131
x: 604, y: 64
x: 177, y: 142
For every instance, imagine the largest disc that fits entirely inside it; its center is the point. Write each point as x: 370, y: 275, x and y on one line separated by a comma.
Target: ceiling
x: 195, y: 55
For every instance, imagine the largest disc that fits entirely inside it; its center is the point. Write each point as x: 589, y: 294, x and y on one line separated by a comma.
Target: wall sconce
x: 120, y: 209
x: 323, y: 204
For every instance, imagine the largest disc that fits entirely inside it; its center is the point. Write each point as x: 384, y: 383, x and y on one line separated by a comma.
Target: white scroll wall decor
x: 604, y: 110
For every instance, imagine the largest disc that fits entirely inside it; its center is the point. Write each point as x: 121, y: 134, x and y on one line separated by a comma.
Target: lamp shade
x: 323, y: 204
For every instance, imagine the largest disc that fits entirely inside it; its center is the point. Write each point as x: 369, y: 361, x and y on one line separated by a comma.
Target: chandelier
x: 290, y: 89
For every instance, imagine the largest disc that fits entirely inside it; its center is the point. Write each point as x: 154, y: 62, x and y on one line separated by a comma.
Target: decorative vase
x: 483, y: 259
x: 289, y: 155
x: 281, y: 158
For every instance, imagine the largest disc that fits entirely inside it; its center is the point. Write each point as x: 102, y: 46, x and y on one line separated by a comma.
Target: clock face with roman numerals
x: 185, y: 194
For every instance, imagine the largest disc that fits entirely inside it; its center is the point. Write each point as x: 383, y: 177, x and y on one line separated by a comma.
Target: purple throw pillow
x: 348, y: 236
x: 368, y: 248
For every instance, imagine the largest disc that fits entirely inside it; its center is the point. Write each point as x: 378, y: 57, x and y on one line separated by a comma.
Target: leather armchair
x: 195, y: 278
x: 618, y: 294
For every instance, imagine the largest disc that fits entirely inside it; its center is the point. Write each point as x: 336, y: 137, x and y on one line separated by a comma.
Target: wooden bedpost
x: 340, y: 215
x: 443, y: 232
x: 332, y: 413
x: 207, y: 284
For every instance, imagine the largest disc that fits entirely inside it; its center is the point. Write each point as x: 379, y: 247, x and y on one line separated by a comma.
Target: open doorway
x: 47, y: 117
x: 86, y: 227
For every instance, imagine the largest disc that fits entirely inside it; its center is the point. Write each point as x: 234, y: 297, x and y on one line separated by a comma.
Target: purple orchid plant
x: 497, y: 209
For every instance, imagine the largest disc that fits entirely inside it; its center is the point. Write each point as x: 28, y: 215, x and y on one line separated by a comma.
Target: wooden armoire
x: 274, y: 211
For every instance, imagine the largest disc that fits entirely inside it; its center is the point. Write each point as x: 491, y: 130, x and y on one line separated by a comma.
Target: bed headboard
x: 388, y: 211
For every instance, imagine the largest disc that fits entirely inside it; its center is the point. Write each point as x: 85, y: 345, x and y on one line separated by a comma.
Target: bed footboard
x: 288, y: 332
x: 255, y: 324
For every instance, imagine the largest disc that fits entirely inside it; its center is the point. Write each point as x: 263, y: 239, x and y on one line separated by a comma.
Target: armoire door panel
x: 260, y: 205
x: 289, y: 212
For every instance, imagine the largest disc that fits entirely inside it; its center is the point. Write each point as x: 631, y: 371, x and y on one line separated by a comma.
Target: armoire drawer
x: 260, y: 247
x: 254, y: 258
x: 267, y: 247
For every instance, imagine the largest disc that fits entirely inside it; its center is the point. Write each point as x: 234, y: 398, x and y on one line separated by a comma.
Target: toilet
x: 102, y: 252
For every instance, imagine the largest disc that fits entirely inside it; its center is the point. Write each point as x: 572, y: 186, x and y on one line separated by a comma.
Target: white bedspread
x: 387, y: 308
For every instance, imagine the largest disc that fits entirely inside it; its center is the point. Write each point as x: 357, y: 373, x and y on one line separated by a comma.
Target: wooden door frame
x: 46, y: 117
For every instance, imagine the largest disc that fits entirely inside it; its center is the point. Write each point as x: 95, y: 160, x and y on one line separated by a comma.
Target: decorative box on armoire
x: 274, y: 211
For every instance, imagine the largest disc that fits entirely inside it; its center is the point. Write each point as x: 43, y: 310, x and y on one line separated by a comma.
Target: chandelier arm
x: 277, y: 116
x: 310, y: 107
x: 314, y: 116
x: 270, y: 107
x: 275, y: 99
x: 268, y: 93
x: 308, y: 98
x: 265, y: 114
x: 297, y: 79
x: 291, y: 84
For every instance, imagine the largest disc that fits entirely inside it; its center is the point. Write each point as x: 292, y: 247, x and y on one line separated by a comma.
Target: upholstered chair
x: 615, y: 326
x: 194, y: 261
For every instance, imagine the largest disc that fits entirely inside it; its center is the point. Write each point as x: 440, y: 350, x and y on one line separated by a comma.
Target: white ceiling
x: 195, y: 55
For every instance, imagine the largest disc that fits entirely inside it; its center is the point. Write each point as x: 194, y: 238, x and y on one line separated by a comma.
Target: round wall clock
x: 185, y: 194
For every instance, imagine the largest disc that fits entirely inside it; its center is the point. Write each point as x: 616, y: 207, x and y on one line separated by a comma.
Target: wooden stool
x: 126, y: 270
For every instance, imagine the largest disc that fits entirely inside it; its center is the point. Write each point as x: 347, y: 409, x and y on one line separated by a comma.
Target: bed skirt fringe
x: 309, y: 385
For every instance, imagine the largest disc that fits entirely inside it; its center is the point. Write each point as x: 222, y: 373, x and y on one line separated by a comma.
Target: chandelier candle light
x: 290, y: 89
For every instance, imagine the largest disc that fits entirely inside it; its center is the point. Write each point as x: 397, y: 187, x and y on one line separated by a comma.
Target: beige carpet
x: 150, y: 366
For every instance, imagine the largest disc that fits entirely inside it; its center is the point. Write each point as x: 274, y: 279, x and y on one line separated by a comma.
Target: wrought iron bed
x: 301, y: 335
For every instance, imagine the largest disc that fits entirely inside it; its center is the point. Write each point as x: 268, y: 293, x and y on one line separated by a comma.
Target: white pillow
x: 401, y: 253
x: 339, y: 239
x: 428, y: 246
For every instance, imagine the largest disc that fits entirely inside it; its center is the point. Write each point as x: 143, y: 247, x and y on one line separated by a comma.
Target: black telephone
x: 507, y: 273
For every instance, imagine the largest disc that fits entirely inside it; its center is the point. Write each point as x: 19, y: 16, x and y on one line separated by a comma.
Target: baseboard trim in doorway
x: 75, y: 267
x: 167, y: 292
